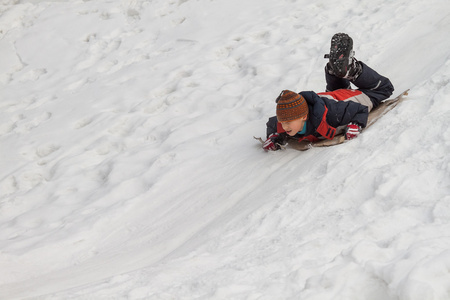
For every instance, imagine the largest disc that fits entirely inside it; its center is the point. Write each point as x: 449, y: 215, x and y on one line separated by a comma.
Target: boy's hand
x: 352, y: 131
x: 270, y: 144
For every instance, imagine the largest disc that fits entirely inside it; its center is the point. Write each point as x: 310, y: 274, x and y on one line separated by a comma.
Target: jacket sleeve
x: 271, y: 126
x: 344, y: 112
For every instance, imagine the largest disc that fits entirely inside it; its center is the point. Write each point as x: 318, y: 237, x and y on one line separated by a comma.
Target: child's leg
x: 374, y: 85
x: 334, y: 82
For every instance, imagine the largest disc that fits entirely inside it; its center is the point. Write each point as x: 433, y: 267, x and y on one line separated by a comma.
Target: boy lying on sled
x: 313, y: 116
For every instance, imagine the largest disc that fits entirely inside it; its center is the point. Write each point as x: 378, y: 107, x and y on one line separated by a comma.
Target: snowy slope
x: 129, y: 171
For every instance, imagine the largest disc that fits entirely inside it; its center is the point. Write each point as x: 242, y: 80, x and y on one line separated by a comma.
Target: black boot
x: 354, y: 70
x: 341, y: 55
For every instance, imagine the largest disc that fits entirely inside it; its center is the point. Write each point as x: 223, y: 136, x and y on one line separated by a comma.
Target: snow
x: 129, y: 171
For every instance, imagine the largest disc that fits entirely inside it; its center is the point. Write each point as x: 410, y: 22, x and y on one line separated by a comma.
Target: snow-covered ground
x: 128, y: 168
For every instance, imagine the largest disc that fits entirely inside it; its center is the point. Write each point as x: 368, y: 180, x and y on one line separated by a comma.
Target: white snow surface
x: 129, y: 169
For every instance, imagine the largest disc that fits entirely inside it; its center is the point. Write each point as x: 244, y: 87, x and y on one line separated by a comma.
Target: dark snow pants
x: 369, y: 82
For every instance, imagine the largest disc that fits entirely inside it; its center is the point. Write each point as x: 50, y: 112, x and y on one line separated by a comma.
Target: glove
x: 271, y: 143
x: 352, y: 131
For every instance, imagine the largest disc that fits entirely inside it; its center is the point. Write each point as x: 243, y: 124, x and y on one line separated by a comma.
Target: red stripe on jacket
x: 342, y: 94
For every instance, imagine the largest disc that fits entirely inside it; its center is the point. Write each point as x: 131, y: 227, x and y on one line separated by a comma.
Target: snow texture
x: 129, y: 168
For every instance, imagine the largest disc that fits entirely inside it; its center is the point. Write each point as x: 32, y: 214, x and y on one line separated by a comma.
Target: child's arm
x: 342, y: 113
x: 271, y: 126
x: 274, y: 138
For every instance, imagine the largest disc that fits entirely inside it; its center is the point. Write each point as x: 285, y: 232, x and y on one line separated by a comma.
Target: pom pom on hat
x: 291, y: 106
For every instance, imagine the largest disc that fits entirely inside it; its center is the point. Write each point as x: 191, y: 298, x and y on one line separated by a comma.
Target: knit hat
x: 291, y: 106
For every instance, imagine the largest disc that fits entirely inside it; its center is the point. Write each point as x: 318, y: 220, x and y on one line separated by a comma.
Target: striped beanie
x: 291, y: 106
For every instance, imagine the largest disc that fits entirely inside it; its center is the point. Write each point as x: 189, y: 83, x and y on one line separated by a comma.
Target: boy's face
x: 292, y: 127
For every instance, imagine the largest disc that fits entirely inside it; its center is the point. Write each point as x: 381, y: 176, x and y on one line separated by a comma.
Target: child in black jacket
x: 314, y: 116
